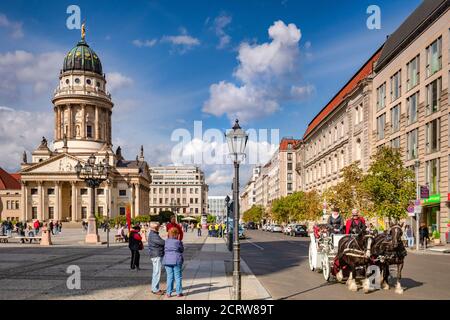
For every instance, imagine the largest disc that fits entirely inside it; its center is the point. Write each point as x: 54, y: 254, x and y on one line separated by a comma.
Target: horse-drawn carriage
x: 352, y: 257
x: 322, y: 251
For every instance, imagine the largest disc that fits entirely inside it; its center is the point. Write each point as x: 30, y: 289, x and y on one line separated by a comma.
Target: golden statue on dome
x: 83, y: 31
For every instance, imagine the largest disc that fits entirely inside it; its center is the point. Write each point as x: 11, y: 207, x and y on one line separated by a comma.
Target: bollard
x: 46, y: 238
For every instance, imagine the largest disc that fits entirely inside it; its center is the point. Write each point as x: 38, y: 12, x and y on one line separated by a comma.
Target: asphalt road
x: 281, y: 264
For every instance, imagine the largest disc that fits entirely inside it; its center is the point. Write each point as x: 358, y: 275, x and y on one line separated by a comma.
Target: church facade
x: 83, y: 109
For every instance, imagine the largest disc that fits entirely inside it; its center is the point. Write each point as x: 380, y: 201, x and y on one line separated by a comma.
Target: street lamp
x: 237, y: 140
x: 416, y: 166
x: 93, y: 174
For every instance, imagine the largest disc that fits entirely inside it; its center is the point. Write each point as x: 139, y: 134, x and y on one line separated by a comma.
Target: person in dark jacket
x: 135, y: 244
x: 336, y: 222
x: 424, y: 235
x: 156, y: 250
x: 173, y: 262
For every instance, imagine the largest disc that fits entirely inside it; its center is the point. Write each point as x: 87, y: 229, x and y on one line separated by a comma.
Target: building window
x: 89, y: 131
x: 432, y: 136
x: 381, y: 123
x: 434, y: 57
x: 289, y: 166
x: 196, y: 210
x: 7, y: 205
x: 413, y: 73
x: 395, y: 118
x: 122, y: 193
x: 358, y: 114
x: 100, y: 210
x: 17, y: 205
x: 289, y: 156
x: 412, y: 103
x: 395, y: 143
x: 381, y: 96
x: 433, y: 96
x: 83, y: 191
x: 100, y: 192
x: 34, y: 191
x: 289, y: 177
x: 51, y: 213
x: 122, y: 211
x: 396, y: 85
x: 432, y: 175
x: 50, y: 191
x: 358, y: 149
x: 83, y: 212
x: 289, y: 187
x: 412, y: 137
x: 34, y: 212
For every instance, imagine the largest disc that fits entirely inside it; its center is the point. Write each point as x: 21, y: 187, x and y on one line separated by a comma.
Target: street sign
x: 424, y: 192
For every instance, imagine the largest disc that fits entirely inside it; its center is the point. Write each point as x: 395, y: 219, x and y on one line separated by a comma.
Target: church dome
x: 82, y: 58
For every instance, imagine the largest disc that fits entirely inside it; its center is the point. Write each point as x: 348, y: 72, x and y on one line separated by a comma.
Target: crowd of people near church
x: 29, y: 229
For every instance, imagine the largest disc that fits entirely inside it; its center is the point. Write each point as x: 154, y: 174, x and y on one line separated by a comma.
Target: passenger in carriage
x: 336, y: 222
x: 356, y: 224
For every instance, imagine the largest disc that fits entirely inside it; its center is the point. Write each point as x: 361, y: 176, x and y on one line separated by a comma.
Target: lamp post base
x: 92, y: 234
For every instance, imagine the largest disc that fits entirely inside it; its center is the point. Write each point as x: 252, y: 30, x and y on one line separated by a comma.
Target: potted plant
x: 436, y: 237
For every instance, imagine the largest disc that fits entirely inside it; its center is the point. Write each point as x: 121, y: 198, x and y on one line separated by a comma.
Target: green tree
x: 211, y: 219
x: 312, y: 205
x: 280, y: 209
x: 350, y: 192
x: 254, y: 214
x: 389, y: 184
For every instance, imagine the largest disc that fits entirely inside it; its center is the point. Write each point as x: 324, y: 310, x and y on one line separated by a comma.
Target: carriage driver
x: 357, y: 225
x: 336, y: 222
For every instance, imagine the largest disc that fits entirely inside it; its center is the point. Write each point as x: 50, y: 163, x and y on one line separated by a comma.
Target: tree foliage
x: 296, y: 207
x: 254, y: 214
x: 389, y: 184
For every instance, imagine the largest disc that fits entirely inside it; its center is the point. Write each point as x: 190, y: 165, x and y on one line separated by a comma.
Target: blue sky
x: 170, y: 63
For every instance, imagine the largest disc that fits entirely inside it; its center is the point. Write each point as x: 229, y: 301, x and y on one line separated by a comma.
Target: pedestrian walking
x: 173, y: 224
x: 409, y: 236
x: 156, y: 251
x: 173, y: 262
x: 135, y: 244
x: 199, y: 230
x: 50, y: 226
x: 36, y: 227
x: 424, y: 235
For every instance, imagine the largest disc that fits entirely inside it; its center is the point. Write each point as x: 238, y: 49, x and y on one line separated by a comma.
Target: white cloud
x: 144, y: 43
x: 184, y: 40
x: 220, y: 176
x: 116, y: 80
x: 21, y: 130
x: 300, y: 92
x: 21, y: 68
x: 267, y: 73
x: 220, y: 23
x: 13, y: 26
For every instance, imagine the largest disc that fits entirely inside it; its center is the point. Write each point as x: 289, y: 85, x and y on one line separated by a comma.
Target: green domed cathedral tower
x: 82, y: 105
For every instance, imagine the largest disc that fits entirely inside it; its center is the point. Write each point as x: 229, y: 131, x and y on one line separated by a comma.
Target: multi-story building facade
x: 178, y: 188
x: 411, y: 103
x: 217, y: 207
x: 10, y: 196
x: 82, y: 108
x: 339, y: 134
x: 275, y: 179
x: 248, y: 197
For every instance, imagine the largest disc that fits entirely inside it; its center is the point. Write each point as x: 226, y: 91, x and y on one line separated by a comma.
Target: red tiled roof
x: 8, y: 181
x: 362, y: 73
x: 284, y: 143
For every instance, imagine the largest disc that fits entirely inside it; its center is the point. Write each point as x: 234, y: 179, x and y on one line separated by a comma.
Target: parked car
x: 299, y: 230
x: 276, y: 228
x: 288, y: 229
x: 251, y: 225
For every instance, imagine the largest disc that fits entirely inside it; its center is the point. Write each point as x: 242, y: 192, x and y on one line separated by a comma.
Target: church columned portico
x: 82, y: 107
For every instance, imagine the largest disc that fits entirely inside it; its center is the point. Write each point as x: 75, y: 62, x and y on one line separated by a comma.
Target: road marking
x: 259, y: 247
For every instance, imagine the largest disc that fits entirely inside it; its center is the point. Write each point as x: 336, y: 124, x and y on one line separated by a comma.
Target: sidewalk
x: 432, y: 249
x: 208, y: 276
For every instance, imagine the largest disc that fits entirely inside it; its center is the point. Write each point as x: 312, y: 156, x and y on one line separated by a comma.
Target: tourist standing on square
x: 156, y: 250
x: 173, y: 262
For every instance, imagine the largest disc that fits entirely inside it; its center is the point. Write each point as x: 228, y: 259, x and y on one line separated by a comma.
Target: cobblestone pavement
x: 31, y: 271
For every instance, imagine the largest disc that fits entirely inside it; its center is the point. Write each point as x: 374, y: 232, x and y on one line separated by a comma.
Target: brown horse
x: 352, y: 254
x: 388, y: 249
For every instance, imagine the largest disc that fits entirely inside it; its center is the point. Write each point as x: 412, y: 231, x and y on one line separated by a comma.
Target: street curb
x: 260, y: 288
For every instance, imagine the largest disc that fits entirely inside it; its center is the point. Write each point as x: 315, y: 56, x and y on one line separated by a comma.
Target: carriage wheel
x: 310, y: 258
x: 326, y: 268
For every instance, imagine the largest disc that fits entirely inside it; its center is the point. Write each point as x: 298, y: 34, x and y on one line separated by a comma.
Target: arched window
x: 358, y: 149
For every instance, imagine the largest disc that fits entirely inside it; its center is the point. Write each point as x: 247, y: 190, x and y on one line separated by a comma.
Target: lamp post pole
x: 237, y: 140
x: 93, y: 174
